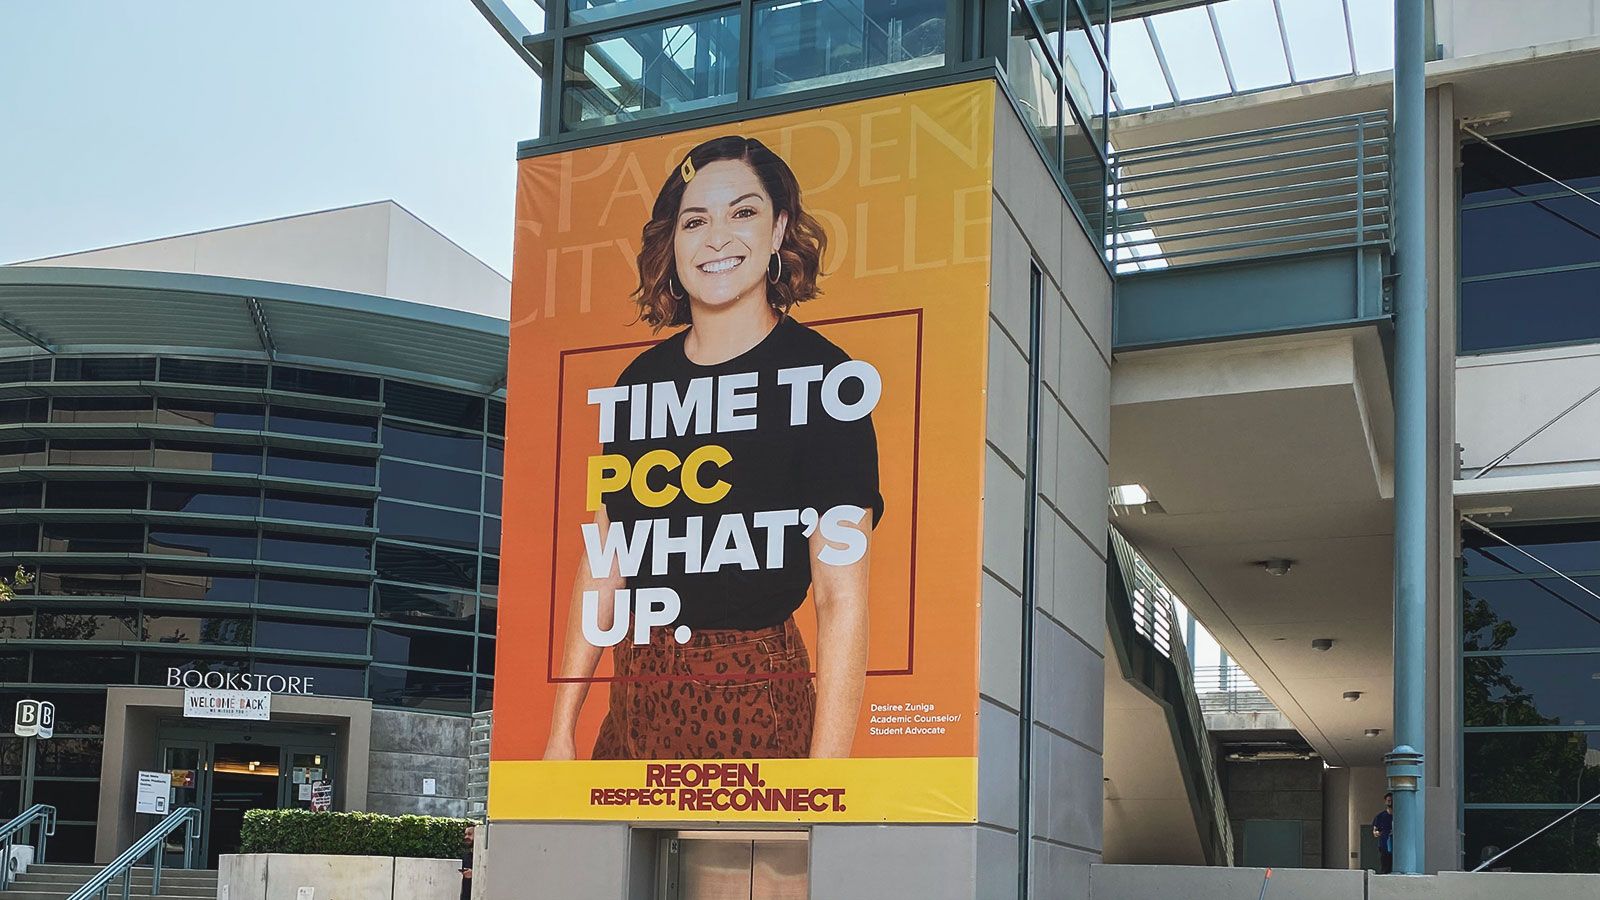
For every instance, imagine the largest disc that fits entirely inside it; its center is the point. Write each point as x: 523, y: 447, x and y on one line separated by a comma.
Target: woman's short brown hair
x: 661, y: 299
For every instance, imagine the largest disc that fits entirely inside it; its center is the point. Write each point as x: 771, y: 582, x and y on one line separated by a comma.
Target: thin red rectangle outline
x: 916, y: 471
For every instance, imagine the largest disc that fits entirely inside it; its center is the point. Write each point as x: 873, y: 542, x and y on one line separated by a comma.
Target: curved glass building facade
x: 192, y: 506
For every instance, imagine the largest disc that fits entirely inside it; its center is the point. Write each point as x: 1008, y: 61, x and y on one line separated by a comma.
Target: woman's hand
x: 840, y: 593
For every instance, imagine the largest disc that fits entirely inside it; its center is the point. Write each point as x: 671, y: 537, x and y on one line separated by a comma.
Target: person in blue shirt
x: 1383, y: 830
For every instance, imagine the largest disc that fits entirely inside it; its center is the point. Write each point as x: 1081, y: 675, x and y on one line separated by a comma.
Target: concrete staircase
x: 54, y: 882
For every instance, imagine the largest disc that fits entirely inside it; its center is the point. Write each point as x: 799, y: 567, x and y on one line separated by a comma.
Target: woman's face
x: 725, y: 235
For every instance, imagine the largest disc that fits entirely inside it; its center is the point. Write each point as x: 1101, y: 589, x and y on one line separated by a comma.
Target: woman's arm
x: 840, y: 593
x: 579, y: 657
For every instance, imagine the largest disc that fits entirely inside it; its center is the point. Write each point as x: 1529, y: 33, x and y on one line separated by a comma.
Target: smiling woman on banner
x: 728, y: 252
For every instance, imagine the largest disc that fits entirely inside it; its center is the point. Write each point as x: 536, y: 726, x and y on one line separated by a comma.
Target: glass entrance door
x: 188, y: 764
x: 306, y: 770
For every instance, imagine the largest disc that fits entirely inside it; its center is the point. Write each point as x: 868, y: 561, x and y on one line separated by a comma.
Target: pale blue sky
x: 123, y: 120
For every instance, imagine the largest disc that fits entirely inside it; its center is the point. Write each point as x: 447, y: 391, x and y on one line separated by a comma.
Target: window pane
x: 69, y: 625
x: 67, y: 667
x: 106, y: 368
x: 422, y: 525
x: 1084, y: 72
x: 205, y: 371
x: 451, y: 408
x: 483, y: 696
x: 84, y: 581
x: 200, y: 586
x: 16, y: 626
x: 21, y: 494
x: 321, y: 467
x: 332, y: 595
x: 428, y: 649
x: 804, y: 44
x: 72, y: 758
x: 316, y: 508
x: 651, y: 70
x: 99, y: 453
x: 330, y: 681
x: 207, y: 457
x: 1569, y: 155
x: 494, y: 461
x: 420, y: 690
x: 579, y: 11
x: 1532, y: 767
x: 17, y: 412
x: 435, y: 445
x: 1557, y: 307
x: 77, y: 712
x: 25, y: 370
x: 96, y: 495
x: 1085, y: 173
x: 486, y: 656
x: 428, y: 485
x: 301, y: 635
x: 169, y: 541
x: 316, y: 551
x: 1558, y: 231
x: 1034, y: 84
x: 419, y: 606
x: 1572, y: 846
x: 1559, y: 689
x: 497, y: 417
x: 330, y: 384
x: 489, y: 583
x: 488, y: 613
x: 72, y: 799
x: 209, y: 499
x: 93, y: 538
x: 1529, y: 614
x: 1569, y: 548
x: 418, y: 565
x: 14, y: 666
x: 491, y: 535
x: 19, y: 538
x: 102, y: 409
x: 238, y: 416
x: 492, y: 489
x: 175, y: 628
x: 318, y: 423
x: 21, y: 453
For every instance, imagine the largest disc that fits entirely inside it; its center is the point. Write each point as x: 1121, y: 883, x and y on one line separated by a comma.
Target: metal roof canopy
x: 83, y: 310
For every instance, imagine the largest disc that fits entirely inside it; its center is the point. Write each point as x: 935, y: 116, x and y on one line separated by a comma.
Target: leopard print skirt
x: 726, y: 694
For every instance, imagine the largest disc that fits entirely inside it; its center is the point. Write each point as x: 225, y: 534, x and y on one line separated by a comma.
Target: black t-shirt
x: 776, y: 466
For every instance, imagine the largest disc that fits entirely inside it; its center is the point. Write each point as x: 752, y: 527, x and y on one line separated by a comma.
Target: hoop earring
x: 774, y: 277
x: 673, y: 289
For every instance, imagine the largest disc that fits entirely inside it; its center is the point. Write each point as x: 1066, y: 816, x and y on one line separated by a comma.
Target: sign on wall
x: 240, y: 681
x: 153, y: 793
x: 745, y: 486
x: 209, y: 704
x: 35, y: 718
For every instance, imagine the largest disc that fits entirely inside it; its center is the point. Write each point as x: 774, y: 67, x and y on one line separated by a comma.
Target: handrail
x: 8, y: 832
x: 154, y: 839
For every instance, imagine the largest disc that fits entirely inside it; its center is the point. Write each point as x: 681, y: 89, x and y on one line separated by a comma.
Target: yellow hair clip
x: 687, y: 170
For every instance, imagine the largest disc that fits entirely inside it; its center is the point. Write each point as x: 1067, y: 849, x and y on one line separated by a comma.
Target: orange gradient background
x: 902, y: 186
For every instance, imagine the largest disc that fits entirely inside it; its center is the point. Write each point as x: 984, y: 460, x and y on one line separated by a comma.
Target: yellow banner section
x: 770, y: 790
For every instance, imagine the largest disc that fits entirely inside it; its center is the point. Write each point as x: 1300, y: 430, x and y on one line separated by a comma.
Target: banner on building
x: 744, y: 478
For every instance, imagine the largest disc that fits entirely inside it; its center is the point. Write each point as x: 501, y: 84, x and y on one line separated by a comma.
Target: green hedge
x: 351, y: 834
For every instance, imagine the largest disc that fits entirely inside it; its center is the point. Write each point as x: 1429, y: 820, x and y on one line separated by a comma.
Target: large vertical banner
x: 744, y: 471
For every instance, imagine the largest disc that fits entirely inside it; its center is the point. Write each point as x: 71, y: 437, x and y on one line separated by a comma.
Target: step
x: 65, y: 882
x: 25, y: 892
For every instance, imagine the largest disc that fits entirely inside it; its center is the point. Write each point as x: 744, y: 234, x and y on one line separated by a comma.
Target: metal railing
x: 154, y: 840
x: 1227, y: 689
x: 42, y: 814
x: 1155, y: 618
x: 1307, y: 186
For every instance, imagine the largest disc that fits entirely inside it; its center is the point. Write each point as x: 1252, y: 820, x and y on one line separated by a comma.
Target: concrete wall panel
x: 563, y: 860
x: 1211, y: 883
x: 873, y: 862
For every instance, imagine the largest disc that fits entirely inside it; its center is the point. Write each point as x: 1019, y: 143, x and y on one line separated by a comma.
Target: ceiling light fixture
x: 1373, y: 732
x: 1322, y: 645
x: 1277, y: 566
x: 1352, y: 696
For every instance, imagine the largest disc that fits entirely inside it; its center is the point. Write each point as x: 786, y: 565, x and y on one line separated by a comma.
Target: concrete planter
x: 280, y: 876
